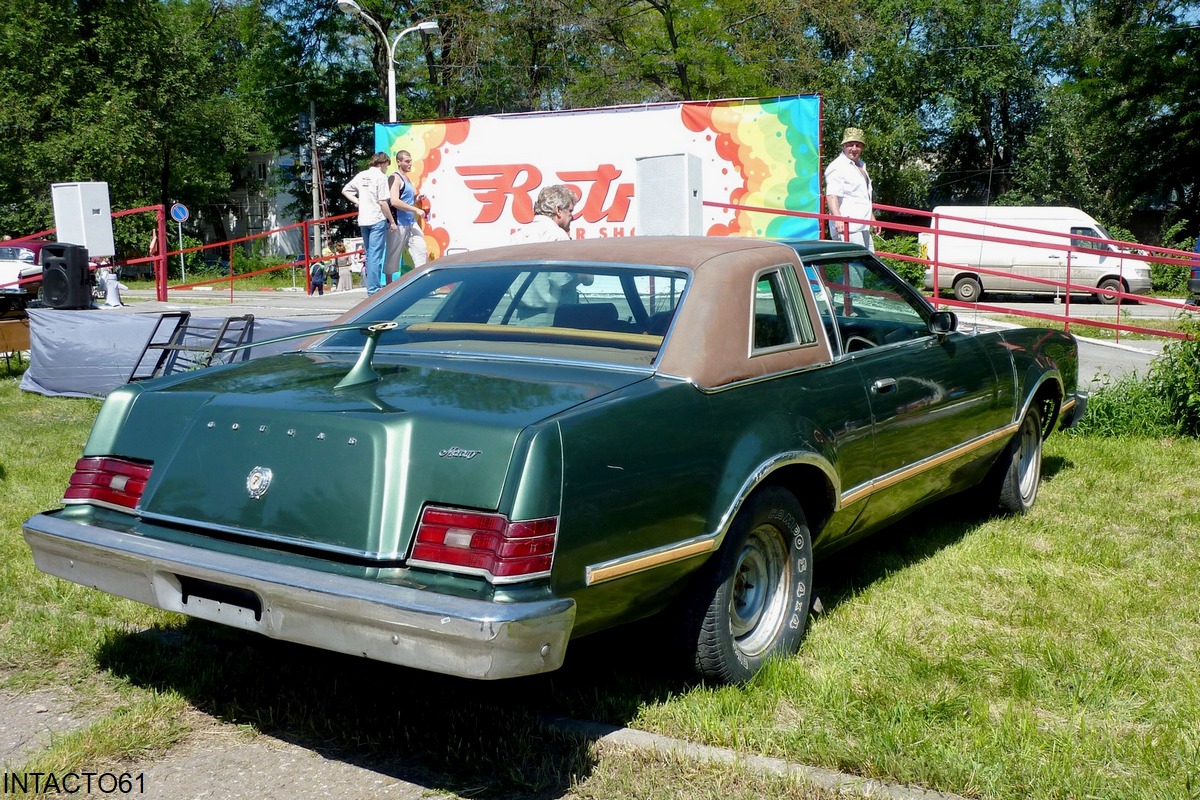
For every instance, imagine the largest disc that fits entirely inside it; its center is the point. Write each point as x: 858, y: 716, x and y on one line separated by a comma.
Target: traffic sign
x: 179, y: 212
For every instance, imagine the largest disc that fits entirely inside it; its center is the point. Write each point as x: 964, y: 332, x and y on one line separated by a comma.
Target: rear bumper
x: 397, y: 624
x: 1139, y: 285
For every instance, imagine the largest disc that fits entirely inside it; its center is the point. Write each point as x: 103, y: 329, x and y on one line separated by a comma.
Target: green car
x: 515, y: 447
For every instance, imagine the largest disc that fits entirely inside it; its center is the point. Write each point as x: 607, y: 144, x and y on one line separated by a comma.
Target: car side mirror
x: 943, y: 322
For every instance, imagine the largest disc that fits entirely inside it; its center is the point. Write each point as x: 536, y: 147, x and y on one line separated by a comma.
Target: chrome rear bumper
x: 396, y: 624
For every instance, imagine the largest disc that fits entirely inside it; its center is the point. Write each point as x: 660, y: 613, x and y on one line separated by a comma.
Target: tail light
x: 108, y: 481
x: 485, y: 544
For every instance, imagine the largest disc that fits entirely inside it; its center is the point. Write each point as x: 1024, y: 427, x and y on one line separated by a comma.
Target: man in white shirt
x: 848, y: 192
x: 369, y: 191
x: 553, y: 212
x: 552, y: 215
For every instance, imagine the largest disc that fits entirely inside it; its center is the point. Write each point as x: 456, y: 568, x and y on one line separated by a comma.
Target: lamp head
x: 349, y: 8
x: 428, y: 26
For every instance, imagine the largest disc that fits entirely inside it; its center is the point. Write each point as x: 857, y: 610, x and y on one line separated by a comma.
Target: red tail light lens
x: 485, y: 544
x: 108, y: 481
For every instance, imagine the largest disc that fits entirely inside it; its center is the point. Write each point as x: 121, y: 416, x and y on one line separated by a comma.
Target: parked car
x: 214, y: 263
x: 20, y: 274
x: 511, y: 448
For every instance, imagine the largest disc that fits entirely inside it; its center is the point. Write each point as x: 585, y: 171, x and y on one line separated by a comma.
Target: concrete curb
x: 610, y: 737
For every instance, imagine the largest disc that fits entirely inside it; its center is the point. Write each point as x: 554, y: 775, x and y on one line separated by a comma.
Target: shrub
x: 1175, y: 375
x: 1173, y: 278
x: 1170, y: 278
x: 1164, y: 403
x: 911, y: 271
x: 1129, y: 406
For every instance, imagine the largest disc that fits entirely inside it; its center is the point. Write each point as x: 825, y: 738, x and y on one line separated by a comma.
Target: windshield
x: 604, y: 313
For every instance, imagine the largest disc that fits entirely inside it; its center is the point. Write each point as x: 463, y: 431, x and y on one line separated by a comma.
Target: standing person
x: 331, y: 269
x: 369, y: 191
x: 553, y: 212
x: 345, y: 281
x: 317, y: 275
x: 410, y: 220
x: 848, y: 191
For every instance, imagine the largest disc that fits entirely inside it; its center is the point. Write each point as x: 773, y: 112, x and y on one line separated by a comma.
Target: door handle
x: 884, y: 385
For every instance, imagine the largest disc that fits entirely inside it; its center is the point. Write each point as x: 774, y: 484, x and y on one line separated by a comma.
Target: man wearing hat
x: 848, y: 192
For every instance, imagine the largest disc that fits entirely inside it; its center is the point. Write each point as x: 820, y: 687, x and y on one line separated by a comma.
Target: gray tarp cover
x: 90, y: 353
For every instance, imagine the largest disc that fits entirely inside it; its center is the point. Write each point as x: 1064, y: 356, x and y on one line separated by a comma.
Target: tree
x: 141, y: 95
x: 1125, y: 110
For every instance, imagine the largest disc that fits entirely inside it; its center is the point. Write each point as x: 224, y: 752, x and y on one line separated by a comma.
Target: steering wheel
x: 853, y: 344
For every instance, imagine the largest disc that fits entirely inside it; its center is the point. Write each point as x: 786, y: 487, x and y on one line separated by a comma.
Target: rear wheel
x: 1019, y: 470
x: 753, y: 599
x: 967, y: 290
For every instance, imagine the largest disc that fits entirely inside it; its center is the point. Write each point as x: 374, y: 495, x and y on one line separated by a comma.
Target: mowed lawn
x: 1053, y: 655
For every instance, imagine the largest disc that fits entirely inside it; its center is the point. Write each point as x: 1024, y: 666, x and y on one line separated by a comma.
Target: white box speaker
x: 669, y: 202
x: 83, y: 216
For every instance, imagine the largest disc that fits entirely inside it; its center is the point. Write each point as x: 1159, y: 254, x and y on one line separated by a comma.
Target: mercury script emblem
x: 258, y: 481
x: 458, y: 452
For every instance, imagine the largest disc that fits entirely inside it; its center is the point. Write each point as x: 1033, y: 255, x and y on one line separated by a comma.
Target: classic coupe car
x: 514, y: 447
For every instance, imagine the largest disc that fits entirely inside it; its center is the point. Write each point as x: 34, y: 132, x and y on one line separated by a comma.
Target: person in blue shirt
x: 409, y: 233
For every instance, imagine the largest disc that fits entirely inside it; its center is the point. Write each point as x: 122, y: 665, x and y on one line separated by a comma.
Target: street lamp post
x: 353, y: 9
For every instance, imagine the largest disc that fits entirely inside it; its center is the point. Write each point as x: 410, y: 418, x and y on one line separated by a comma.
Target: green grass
x: 279, y: 277
x: 1052, y: 656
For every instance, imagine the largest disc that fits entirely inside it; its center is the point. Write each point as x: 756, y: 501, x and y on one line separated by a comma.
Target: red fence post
x: 160, y: 264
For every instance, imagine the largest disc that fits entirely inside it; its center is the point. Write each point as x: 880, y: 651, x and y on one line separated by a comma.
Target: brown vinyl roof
x: 710, y: 343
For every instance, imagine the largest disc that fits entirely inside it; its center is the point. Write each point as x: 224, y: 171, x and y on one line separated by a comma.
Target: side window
x: 864, y: 305
x: 1084, y: 243
x: 774, y: 323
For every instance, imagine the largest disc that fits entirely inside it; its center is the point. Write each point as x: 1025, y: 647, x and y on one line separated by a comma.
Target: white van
x: 1045, y: 256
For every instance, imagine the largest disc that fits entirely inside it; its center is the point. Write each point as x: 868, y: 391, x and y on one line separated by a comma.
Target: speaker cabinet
x: 668, y: 195
x: 66, y: 280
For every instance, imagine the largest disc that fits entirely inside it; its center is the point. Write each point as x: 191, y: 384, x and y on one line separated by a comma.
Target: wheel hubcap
x: 759, y: 594
x: 1029, y: 459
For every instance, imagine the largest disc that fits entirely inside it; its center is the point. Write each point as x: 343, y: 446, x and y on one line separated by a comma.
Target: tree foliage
x: 140, y: 94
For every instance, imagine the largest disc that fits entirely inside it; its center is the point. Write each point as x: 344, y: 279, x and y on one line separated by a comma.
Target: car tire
x: 1019, y: 469
x: 753, y: 599
x: 967, y: 290
x: 1109, y: 285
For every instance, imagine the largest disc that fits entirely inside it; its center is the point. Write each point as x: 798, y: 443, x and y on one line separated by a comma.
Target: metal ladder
x: 177, y: 344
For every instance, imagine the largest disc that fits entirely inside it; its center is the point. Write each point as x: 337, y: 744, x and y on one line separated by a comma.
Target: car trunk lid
x: 274, y: 452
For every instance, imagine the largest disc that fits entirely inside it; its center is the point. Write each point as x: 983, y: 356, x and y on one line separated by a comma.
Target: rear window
x: 596, y: 313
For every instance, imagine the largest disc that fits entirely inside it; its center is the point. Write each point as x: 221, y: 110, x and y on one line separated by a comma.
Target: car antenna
x: 362, y: 371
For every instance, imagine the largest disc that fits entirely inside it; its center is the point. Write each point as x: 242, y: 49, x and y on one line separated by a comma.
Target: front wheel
x: 1107, y: 288
x: 753, y: 599
x: 1020, y: 466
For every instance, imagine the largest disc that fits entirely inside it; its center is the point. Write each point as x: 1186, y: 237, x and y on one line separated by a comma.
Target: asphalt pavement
x: 215, y: 302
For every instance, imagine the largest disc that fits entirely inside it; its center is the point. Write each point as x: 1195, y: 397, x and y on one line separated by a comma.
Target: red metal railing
x: 1128, y: 250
